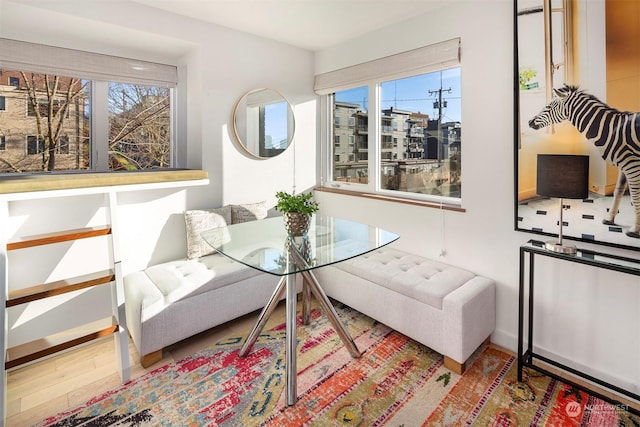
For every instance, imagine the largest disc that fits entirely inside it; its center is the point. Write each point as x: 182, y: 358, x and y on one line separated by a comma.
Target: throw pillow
x: 198, y: 221
x: 248, y: 212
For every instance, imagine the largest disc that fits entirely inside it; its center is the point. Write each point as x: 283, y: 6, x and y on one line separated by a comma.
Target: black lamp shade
x: 563, y: 176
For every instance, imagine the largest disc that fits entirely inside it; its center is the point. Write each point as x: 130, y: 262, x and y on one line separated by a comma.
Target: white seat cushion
x: 186, y: 278
x: 422, y: 279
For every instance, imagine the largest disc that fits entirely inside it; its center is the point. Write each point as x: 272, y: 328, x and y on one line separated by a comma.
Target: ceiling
x: 309, y: 24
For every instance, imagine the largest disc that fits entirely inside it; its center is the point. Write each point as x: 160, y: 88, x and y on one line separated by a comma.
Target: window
x: 546, y: 56
x: 34, y: 145
x: 418, y: 155
x: 406, y: 138
x: 49, y: 111
x: 3, y: 144
x: 139, y: 126
x: 350, y: 143
x: 84, y: 112
x: 63, y: 144
x: 3, y: 103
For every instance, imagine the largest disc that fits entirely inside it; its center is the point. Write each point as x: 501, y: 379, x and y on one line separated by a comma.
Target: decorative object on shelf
x: 263, y: 123
x: 297, y: 210
x: 563, y: 176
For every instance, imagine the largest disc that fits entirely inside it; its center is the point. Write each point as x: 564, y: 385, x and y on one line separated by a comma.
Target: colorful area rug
x: 396, y: 382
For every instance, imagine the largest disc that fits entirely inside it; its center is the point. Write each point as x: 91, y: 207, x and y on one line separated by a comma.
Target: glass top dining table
x: 266, y: 246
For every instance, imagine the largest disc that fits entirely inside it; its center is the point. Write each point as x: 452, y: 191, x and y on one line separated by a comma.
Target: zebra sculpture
x: 615, y: 133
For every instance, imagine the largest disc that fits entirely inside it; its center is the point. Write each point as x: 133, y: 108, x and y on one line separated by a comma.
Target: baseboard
x: 510, y: 342
x: 505, y: 340
x: 623, y: 383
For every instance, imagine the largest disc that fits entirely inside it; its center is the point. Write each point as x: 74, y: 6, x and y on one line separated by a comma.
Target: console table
x: 528, y: 252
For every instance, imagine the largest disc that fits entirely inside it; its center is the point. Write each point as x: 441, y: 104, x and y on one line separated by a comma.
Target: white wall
x: 584, y: 317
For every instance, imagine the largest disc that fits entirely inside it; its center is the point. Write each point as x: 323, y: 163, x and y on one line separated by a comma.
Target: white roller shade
x: 24, y: 56
x: 417, y: 61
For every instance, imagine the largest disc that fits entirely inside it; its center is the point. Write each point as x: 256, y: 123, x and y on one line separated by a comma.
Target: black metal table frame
x: 526, y: 358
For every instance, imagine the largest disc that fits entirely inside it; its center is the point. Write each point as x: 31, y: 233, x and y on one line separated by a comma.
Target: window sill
x: 26, y: 186
x: 385, y: 198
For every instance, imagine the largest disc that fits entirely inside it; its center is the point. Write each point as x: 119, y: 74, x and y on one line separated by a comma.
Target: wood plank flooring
x: 63, y: 381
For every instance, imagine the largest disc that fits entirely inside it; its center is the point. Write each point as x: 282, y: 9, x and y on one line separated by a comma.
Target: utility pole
x: 440, y: 105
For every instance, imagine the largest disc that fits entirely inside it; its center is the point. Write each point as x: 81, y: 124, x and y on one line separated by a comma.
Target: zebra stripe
x: 615, y: 133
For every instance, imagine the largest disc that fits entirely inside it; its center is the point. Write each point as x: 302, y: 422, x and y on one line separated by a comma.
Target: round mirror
x: 263, y: 123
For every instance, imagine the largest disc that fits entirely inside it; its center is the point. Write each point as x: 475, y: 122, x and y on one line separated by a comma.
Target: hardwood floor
x: 61, y: 382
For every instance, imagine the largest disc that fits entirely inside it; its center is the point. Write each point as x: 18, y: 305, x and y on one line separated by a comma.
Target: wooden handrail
x: 57, y: 237
x: 46, y: 290
x: 46, y: 346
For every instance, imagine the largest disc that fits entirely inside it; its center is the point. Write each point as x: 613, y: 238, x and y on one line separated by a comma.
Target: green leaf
x: 301, y: 203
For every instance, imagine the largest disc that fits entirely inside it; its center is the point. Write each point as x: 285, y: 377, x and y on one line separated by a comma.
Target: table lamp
x: 562, y: 176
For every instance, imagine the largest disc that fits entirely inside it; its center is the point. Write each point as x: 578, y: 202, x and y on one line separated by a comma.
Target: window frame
x: 435, y: 57
x: 100, y: 70
x: 29, y: 140
x: 374, y: 129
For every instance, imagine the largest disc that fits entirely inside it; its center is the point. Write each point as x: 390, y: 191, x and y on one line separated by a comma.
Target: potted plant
x: 297, y: 210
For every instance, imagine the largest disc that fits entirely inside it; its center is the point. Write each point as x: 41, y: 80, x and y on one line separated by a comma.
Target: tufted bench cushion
x: 447, y: 308
x: 419, y: 278
x: 186, y: 278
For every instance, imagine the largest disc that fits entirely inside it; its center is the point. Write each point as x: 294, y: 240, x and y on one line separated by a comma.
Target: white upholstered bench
x: 446, y: 308
x: 169, y: 302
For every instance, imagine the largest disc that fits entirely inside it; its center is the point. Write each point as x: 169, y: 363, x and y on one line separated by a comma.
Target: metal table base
x: 310, y: 286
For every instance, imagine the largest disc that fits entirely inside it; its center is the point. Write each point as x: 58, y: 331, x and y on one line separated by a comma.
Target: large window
x: 396, y: 136
x: 78, y: 111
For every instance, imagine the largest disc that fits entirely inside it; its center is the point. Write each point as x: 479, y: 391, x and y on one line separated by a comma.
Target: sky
x: 416, y: 94
x: 276, y: 124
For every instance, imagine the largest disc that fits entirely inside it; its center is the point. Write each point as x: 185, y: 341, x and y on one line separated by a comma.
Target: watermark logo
x: 573, y: 409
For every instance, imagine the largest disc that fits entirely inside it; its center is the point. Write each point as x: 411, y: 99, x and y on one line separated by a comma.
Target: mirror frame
x: 263, y: 152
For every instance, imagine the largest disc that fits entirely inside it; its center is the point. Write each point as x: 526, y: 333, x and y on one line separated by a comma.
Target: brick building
x: 42, y: 117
